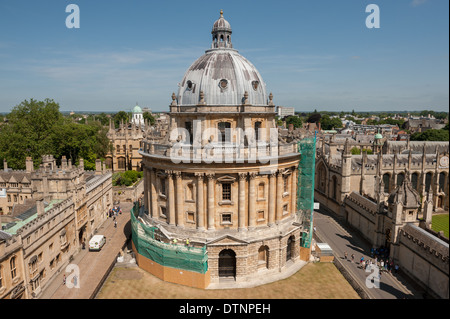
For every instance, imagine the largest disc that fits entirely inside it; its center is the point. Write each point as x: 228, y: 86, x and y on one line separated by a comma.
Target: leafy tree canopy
x: 37, y: 128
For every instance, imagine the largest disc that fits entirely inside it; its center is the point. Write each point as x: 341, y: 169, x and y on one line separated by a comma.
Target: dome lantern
x: 221, y: 34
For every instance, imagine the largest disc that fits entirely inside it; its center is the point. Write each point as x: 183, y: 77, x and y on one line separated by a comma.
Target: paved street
x: 341, y: 239
x: 93, y: 266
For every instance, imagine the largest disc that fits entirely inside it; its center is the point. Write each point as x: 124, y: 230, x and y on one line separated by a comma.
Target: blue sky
x: 311, y: 54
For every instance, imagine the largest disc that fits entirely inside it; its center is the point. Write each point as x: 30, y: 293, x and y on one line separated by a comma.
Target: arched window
x: 334, y: 188
x: 415, y: 180
x: 263, y: 254
x: 12, y: 264
x: 400, y: 179
x: 121, y: 162
x: 109, y: 163
x: 442, y: 179
x: 428, y: 179
x: 387, y: 182
x: 227, y: 263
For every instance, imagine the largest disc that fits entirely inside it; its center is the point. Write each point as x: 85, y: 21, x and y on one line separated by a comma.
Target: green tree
x: 295, y: 120
x: 37, y: 128
x: 29, y: 132
x: 431, y: 135
x: 328, y: 123
x: 150, y: 118
x: 119, y: 117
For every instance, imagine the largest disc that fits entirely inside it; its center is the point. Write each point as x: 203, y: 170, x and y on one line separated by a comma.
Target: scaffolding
x: 305, y: 188
x: 177, y: 256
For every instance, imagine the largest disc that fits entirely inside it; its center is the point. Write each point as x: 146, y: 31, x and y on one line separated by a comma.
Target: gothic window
x: 386, y: 182
x: 428, y: 179
x: 121, y: 162
x: 442, y: 182
x: 415, y: 180
x: 334, y: 188
x: 400, y: 179
x: 108, y: 163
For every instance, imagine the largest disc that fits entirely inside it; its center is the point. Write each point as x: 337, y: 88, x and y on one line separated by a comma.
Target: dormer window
x: 190, y: 85
x: 255, y: 85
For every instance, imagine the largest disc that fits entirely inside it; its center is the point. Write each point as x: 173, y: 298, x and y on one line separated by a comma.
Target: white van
x: 97, y: 242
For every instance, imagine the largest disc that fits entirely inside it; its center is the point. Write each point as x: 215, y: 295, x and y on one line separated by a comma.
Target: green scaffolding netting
x: 305, y: 189
x: 166, y: 254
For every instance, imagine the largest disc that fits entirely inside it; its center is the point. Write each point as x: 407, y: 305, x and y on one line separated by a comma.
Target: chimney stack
x: 40, y: 206
x: 98, y: 167
x: 29, y: 164
x: 5, y: 165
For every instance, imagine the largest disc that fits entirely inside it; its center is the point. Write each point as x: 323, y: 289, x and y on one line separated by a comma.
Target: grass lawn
x: 313, y: 281
x: 440, y: 222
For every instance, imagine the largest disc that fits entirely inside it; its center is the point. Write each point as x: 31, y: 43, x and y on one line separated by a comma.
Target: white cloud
x: 416, y: 3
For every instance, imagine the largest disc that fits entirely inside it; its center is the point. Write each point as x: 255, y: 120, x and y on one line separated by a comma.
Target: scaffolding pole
x: 305, y: 188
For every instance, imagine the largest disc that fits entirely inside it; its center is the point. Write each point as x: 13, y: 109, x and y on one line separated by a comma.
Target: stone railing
x: 216, y: 151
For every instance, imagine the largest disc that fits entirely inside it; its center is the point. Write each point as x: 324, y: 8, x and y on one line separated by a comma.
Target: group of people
x: 113, y: 212
x: 383, y: 264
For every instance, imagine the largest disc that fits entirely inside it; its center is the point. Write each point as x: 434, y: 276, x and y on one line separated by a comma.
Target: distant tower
x: 138, y: 118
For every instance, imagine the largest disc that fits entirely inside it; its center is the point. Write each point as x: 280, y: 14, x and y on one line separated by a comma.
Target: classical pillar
x: 272, y: 197
x: 179, y: 199
x: 279, y: 200
x: 241, y: 217
x: 211, y: 201
x: 154, y: 196
x: 294, y: 191
x: 171, y: 196
x: 147, y: 196
x: 251, y: 201
x: 200, y: 203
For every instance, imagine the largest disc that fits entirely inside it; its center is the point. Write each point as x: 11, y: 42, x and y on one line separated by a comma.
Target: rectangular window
x: 226, y: 218
x: 226, y: 191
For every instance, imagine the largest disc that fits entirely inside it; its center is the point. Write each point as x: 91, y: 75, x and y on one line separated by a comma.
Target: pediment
x: 226, y: 179
x: 227, y: 240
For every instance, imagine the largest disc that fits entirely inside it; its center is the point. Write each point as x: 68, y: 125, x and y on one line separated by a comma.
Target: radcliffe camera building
x: 232, y: 196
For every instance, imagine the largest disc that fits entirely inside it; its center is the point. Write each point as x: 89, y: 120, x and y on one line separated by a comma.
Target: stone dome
x: 222, y: 74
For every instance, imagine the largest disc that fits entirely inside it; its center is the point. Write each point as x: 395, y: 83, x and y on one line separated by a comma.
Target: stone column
x: 241, y: 217
x: 171, y: 197
x: 179, y: 199
x: 200, y: 203
x: 279, y: 200
x: 211, y: 201
x: 154, y: 196
x: 272, y: 197
x: 147, y: 195
x: 294, y: 191
x: 251, y: 201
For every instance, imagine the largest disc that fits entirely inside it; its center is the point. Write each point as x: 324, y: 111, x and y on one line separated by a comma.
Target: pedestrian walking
x: 353, y: 257
x: 345, y: 255
x: 115, y: 224
x: 64, y: 280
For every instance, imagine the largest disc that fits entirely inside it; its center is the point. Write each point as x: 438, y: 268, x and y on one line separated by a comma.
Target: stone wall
x: 425, y: 258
